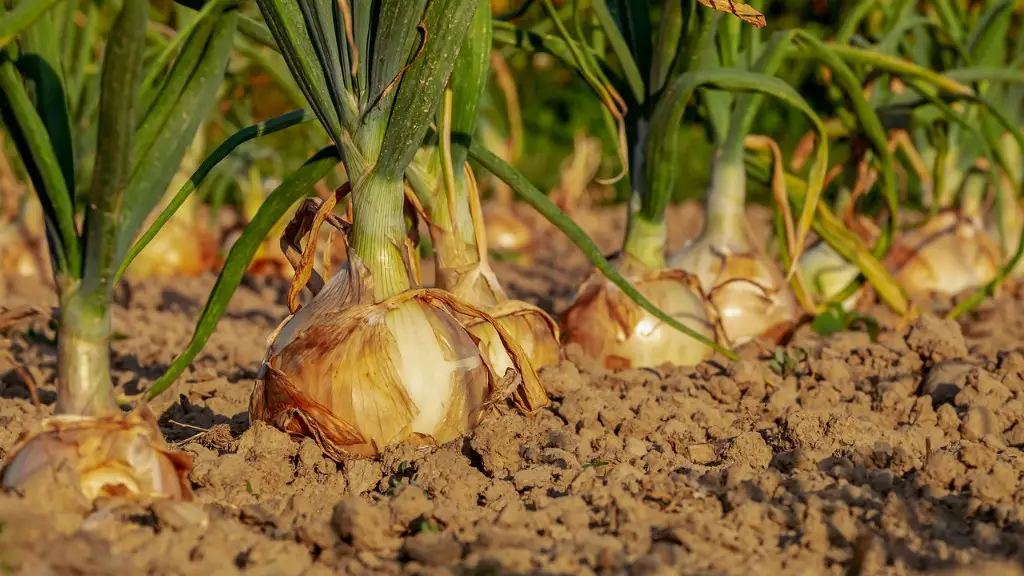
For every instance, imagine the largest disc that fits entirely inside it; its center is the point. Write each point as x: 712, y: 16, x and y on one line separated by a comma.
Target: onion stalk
x: 601, y: 320
x: 747, y: 290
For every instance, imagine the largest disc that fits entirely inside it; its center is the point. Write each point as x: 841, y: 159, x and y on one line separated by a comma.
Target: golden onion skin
x: 947, y: 255
x: 535, y: 331
x: 746, y: 290
x: 17, y: 256
x: 357, y: 376
x: 507, y: 233
x: 121, y: 455
x: 181, y: 248
x: 618, y: 333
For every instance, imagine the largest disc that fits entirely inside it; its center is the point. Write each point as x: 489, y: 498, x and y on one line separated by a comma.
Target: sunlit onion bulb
x: 507, y: 233
x: 17, y: 256
x: 535, y: 331
x: 746, y: 290
x: 947, y: 255
x: 117, y: 455
x: 358, y: 376
x: 826, y: 274
x: 530, y: 326
x: 614, y: 330
x: 179, y: 249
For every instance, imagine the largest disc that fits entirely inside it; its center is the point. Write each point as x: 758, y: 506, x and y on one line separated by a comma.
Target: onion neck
x: 952, y: 178
x: 727, y: 198
x: 972, y: 196
x: 378, y: 232
x: 645, y: 241
x: 84, y: 385
x: 453, y: 235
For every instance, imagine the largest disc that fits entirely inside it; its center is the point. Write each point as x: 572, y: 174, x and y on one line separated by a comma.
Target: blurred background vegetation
x: 555, y: 105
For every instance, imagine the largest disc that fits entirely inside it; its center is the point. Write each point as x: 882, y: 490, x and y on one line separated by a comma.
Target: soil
x: 898, y: 456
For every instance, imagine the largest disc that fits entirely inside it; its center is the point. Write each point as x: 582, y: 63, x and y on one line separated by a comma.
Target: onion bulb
x: 463, y: 269
x: 744, y: 287
x: 117, y: 455
x: 827, y: 273
x: 746, y: 290
x: 946, y: 255
x: 183, y: 246
x: 17, y: 257
x: 618, y: 333
x: 530, y: 326
x: 22, y: 237
x: 357, y: 376
x: 507, y: 233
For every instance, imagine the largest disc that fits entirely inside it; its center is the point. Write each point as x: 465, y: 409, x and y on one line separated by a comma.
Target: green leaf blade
x: 297, y: 185
x: 419, y: 91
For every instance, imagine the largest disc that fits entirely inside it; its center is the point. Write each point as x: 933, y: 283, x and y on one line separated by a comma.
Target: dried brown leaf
x: 743, y: 11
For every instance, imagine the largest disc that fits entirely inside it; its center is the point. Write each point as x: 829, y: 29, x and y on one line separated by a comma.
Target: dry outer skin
x: 900, y: 456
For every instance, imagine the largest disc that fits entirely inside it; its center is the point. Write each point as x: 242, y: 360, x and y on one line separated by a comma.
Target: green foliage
x: 836, y: 319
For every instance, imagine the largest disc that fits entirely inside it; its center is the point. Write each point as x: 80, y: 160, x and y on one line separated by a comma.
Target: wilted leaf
x: 744, y: 12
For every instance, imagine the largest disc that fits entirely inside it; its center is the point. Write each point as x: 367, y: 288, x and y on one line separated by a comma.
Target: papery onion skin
x: 358, y: 376
x: 947, y: 255
x: 113, y: 456
x: 615, y: 331
x: 746, y: 291
x: 535, y: 331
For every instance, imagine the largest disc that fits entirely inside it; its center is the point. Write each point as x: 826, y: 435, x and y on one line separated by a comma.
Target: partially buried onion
x: 357, y: 376
x: 946, y: 255
x: 119, y: 455
x: 183, y: 246
x: 464, y: 270
x: 616, y: 331
x: 744, y: 287
x: 22, y: 236
x: 17, y: 256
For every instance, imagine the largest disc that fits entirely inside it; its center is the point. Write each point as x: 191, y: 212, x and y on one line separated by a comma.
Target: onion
x: 122, y: 455
x: 744, y: 287
x: 746, y: 290
x: 617, y: 332
x: 17, y: 256
x: 827, y: 274
x: 507, y: 233
x: 947, y: 255
x: 182, y: 248
x: 357, y: 376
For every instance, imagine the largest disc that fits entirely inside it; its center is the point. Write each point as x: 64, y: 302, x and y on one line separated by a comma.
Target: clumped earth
x: 899, y: 456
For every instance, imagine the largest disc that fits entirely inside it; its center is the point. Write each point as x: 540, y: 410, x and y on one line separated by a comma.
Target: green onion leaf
x: 297, y: 185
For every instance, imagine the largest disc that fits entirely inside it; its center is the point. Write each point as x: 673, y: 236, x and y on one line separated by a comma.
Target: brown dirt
x: 892, y: 457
